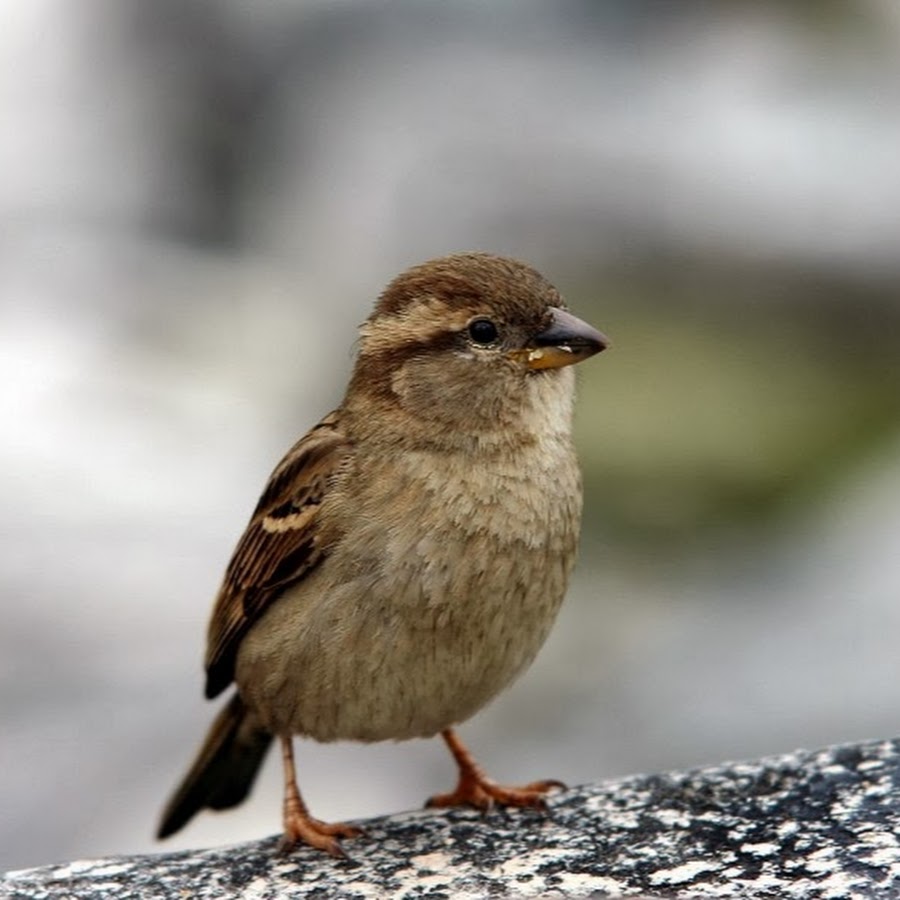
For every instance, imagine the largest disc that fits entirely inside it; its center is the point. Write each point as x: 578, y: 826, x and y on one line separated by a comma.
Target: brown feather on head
x: 463, y: 278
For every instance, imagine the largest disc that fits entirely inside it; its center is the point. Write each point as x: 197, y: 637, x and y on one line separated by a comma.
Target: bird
x: 409, y: 554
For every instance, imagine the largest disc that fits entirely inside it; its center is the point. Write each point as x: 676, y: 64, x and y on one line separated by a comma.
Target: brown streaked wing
x: 279, y: 547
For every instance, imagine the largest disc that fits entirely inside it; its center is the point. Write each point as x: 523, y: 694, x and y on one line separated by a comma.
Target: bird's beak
x: 565, y: 341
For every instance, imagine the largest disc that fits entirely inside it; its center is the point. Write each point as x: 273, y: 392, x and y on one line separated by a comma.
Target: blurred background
x: 200, y: 200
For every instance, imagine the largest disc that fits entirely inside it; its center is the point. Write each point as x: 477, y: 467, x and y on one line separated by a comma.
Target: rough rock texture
x: 804, y: 825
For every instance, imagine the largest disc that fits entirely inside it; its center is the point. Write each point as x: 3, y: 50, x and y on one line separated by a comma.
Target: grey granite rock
x: 803, y: 825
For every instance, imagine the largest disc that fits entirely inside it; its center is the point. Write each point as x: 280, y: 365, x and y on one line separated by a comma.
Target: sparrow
x: 409, y: 554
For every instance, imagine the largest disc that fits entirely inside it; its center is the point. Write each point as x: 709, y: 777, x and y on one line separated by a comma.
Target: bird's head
x: 471, y: 342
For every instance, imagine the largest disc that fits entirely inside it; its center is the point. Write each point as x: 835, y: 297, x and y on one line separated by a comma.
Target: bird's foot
x: 483, y: 793
x: 299, y: 826
x: 476, y: 789
x: 304, y: 829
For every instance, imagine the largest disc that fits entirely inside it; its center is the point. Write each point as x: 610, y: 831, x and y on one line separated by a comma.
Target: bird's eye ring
x: 483, y: 331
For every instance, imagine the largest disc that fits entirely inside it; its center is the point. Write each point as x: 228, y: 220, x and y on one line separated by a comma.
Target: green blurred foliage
x: 710, y: 413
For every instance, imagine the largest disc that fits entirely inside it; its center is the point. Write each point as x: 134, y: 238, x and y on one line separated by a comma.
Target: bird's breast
x: 439, y: 594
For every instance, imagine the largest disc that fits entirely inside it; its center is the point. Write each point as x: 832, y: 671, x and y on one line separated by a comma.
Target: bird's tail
x: 224, y: 770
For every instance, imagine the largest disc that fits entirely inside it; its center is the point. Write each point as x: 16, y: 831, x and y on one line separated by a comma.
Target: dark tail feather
x: 224, y: 770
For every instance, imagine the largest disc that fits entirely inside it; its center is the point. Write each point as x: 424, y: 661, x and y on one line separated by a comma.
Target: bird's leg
x: 299, y: 825
x: 476, y: 789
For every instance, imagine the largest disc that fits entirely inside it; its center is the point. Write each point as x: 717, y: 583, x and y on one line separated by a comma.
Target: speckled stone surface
x: 804, y: 825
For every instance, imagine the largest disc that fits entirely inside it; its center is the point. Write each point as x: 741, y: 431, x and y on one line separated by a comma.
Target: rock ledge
x: 804, y: 825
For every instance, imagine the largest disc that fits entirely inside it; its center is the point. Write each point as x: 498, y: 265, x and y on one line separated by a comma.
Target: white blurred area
x: 198, y: 203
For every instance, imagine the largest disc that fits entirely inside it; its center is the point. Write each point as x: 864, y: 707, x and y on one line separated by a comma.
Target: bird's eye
x: 483, y: 331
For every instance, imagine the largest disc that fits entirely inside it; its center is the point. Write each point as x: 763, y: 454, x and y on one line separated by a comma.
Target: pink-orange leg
x: 476, y: 789
x: 299, y: 825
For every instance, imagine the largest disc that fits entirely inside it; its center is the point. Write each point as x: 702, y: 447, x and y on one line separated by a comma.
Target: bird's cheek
x: 408, y: 389
x: 452, y: 390
x: 421, y: 387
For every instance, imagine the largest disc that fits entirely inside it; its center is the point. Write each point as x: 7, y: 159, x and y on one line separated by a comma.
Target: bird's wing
x: 280, y: 546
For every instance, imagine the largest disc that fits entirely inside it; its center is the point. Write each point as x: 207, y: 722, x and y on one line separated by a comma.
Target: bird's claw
x: 484, y: 794
x: 321, y: 835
